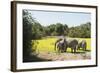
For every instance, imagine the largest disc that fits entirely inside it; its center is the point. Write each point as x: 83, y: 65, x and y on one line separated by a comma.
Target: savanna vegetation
x: 42, y: 38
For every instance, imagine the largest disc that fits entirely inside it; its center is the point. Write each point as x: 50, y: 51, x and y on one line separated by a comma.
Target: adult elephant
x: 63, y: 44
x: 82, y: 45
x: 73, y: 44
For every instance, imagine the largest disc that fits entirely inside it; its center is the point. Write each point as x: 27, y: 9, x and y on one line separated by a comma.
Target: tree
x: 51, y: 29
x: 37, y: 31
x: 59, y: 29
x: 27, y: 34
x: 72, y: 32
x: 82, y: 31
x: 66, y: 29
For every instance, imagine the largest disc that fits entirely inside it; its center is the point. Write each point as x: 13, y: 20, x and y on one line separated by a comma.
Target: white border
x: 21, y: 65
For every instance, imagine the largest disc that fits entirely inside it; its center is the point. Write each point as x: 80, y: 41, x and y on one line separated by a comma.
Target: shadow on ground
x: 34, y: 58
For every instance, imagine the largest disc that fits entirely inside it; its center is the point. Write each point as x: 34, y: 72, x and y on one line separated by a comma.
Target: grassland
x: 47, y: 44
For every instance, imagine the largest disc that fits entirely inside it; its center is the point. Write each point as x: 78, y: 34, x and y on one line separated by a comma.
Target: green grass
x: 47, y: 44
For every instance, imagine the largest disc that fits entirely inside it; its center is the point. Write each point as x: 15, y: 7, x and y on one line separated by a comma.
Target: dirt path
x: 64, y: 56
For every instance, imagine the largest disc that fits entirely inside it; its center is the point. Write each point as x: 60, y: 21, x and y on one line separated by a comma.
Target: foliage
x: 58, y: 29
x: 37, y: 31
x: 82, y: 31
x: 27, y: 34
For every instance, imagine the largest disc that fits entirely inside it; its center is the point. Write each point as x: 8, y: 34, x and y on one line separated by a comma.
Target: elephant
x: 73, y: 44
x: 63, y: 44
x: 82, y: 45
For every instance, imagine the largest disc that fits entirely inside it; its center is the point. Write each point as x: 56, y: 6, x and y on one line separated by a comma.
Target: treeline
x: 58, y: 29
x: 32, y: 29
x: 82, y: 31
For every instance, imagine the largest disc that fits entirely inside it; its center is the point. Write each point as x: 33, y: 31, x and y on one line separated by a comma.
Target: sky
x: 51, y: 17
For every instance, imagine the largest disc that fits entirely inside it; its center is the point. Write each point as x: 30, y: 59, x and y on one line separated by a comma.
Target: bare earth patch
x: 64, y: 56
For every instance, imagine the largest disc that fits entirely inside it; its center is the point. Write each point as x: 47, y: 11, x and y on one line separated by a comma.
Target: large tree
x: 59, y: 29
x: 27, y: 34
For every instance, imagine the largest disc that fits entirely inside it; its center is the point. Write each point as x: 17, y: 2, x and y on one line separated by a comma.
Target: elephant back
x: 72, y: 43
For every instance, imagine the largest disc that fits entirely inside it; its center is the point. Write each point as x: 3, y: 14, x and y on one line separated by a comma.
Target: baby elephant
x: 82, y: 45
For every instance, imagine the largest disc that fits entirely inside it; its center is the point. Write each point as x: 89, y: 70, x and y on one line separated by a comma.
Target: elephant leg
x: 71, y: 50
x: 58, y: 50
x: 85, y: 47
x: 74, y: 50
x: 65, y: 49
x: 62, y: 50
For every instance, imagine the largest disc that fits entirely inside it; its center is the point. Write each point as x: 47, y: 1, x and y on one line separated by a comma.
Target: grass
x: 47, y: 44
